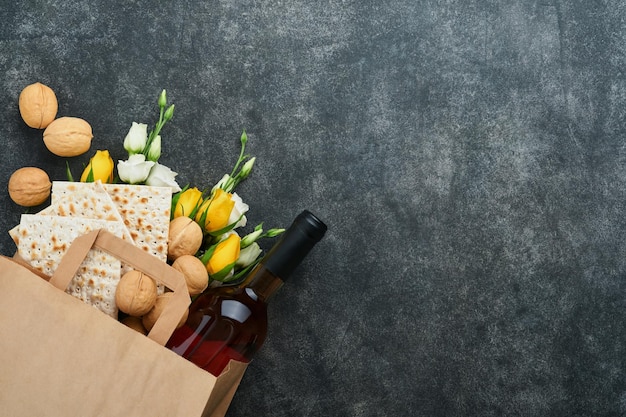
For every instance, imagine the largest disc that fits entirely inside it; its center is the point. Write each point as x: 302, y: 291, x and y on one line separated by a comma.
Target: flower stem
x: 155, y: 132
x: 244, y: 139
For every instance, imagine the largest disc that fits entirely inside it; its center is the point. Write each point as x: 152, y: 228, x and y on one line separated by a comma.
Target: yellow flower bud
x: 101, y: 168
x: 226, y: 253
x: 217, y: 209
x: 187, y: 202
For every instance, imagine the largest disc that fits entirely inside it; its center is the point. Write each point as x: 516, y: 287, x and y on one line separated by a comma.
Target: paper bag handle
x: 141, y: 261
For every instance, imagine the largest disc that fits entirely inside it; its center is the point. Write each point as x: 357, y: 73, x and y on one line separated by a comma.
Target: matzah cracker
x: 146, y: 214
x: 84, y: 199
x: 87, y: 200
x: 14, y: 233
x: 43, y: 240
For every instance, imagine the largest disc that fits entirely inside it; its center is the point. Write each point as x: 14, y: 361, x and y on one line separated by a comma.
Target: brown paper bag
x: 61, y: 357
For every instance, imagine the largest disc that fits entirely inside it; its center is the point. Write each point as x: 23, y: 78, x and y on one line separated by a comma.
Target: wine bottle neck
x: 263, y: 282
x: 293, y: 246
x: 267, y: 277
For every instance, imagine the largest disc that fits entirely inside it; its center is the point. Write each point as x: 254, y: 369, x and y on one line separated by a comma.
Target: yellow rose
x: 101, y: 167
x: 217, y: 209
x: 188, y: 200
x: 225, y: 254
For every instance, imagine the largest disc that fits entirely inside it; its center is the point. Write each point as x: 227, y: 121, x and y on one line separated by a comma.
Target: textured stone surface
x: 468, y: 157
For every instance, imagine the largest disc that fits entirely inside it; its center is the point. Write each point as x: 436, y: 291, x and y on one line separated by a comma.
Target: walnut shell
x: 135, y: 324
x: 38, y: 105
x: 185, y: 237
x: 68, y: 136
x: 195, y: 273
x: 136, y: 293
x: 29, y: 186
x: 149, y: 319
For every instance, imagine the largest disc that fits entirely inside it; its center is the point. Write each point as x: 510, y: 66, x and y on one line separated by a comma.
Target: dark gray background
x: 468, y: 157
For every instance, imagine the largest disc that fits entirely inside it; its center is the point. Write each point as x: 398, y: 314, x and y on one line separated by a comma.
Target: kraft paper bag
x: 62, y: 357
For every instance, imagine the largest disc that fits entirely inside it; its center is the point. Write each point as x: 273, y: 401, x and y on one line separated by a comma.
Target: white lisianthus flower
x: 247, y: 168
x: 135, y: 170
x: 154, y: 152
x: 222, y: 183
x: 250, y: 238
x: 238, y: 211
x: 136, y: 138
x: 162, y: 176
x: 248, y: 255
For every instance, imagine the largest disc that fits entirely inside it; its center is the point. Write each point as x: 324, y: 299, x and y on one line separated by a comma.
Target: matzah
x: 84, y: 199
x: 43, y: 240
x: 14, y: 233
x: 80, y: 199
x: 146, y: 213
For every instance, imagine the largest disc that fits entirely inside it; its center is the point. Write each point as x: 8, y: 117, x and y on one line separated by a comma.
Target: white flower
x: 136, y: 138
x: 238, y: 211
x: 250, y: 238
x: 221, y: 183
x: 247, y: 168
x: 154, y: 153
x: 248, y: 255
x: 162, y: 176
x: 135, y: 170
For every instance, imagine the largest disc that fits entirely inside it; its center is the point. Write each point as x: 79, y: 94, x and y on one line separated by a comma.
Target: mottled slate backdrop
x: 468, y: 157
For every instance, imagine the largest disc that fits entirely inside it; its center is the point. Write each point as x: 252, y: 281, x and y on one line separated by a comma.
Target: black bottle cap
x: 294, y: 244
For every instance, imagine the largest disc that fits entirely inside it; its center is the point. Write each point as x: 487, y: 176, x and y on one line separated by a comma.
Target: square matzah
x: 84, y: 199
x: 146, y: 213
x: 43, y: 240
x: 80, y: 199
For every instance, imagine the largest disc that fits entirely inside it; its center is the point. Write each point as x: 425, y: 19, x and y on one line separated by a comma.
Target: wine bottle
x: 230, y: 322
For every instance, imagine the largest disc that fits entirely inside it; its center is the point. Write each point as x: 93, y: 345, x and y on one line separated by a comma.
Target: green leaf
x: 68, y: 172
x: 194, y: 212
x: 90, y: 174
x: 202, y: 221
x: 243, y: 272
x: 175, y: 198
x: 207, y: 254
x: 223, y: 273
x: 227, y: 228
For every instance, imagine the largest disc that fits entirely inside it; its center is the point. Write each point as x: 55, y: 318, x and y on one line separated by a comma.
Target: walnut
x: 135, y: 324
x: 185, y: 237
x: 152, y: 316
x: 29, y: 186
x: 195, y: 273
x: 38, y: 105
x: 136, y: 293
x: 68, y: 136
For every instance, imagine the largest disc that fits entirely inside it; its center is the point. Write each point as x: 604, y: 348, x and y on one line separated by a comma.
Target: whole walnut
x: 29, y: 186
x: 195, y: 273
x: 38, y: 105
x: 152, y: 316
x: 68, y: 136
x: 185, y: 237
x: 136, y: 293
